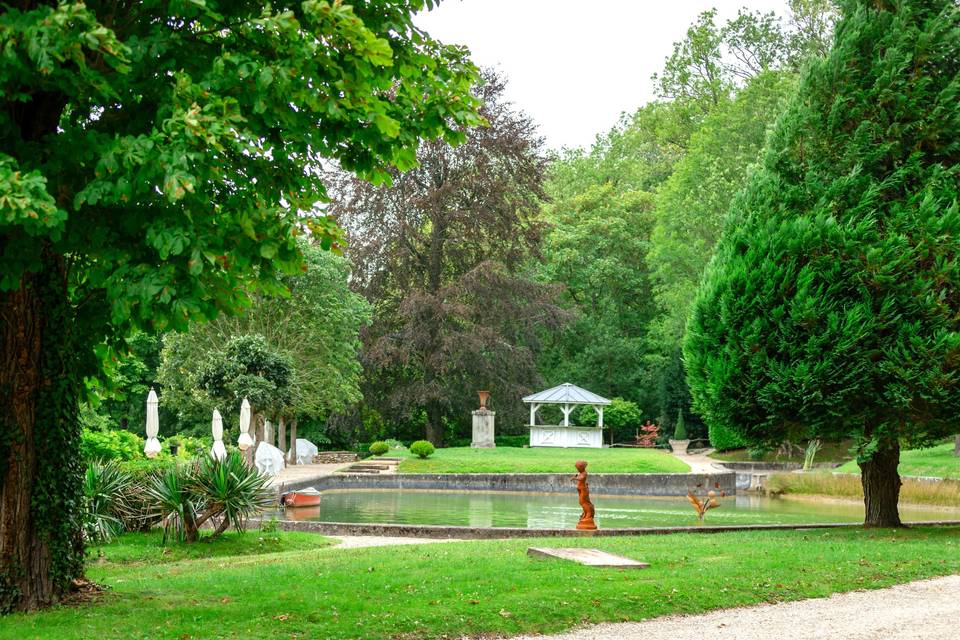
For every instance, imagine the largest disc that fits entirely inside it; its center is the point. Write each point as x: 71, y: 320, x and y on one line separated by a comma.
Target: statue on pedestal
x: 583, y: 493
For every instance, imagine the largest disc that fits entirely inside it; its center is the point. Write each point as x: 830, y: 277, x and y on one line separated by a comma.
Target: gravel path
x: 924, y: 610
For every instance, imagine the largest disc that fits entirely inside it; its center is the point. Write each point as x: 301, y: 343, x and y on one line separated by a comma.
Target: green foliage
x: 723, y: 438
x: 831, y: 307
x: 105, y: 489
x: 379, y: 448
x: 622, y: 416
x: 229, y: 490
x: 113, y: 444
x: 679, y: 430
x: 247, y: 367
x: 810, y: 453
x: 512, y: 441
x: 422, y: 449
x: 186, y: 496
x: 174, y: 503
x: 158, y: 160
x: 325, y: 368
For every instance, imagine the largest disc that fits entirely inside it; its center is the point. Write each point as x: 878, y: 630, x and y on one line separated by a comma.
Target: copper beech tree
x: 156, y: 163
x: 441, y: 255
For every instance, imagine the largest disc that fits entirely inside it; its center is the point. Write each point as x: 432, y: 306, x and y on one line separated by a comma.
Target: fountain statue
x: 583, y: 493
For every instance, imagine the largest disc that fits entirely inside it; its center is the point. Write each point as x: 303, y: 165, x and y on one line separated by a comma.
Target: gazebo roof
x: 566, y: 393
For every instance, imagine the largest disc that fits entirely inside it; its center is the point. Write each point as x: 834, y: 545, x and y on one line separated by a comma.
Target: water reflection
x: 549, y: 511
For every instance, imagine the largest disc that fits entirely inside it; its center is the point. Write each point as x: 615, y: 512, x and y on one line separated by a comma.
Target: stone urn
x: 484, y: 395
x: 679, y: 447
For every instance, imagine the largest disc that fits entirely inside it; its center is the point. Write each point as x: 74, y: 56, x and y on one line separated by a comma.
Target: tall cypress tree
x: 832, y: 306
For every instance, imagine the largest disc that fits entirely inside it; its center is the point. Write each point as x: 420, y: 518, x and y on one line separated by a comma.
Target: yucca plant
x: 104, y: 489
x: 175, y: 503
x: 230, y: 490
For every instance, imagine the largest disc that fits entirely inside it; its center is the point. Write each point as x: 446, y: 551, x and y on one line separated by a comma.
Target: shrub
x: 104, y: 491
x: 723, y: 439
x: 512, y: 441
x: 422, y: 449
x: 140, y: 514
x: 110, y: 445
x: 680, y: 431
x: 186, y: 496
x: 379, y: 448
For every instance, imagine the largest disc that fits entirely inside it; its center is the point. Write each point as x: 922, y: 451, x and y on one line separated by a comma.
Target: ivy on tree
x: 831, y: 308
x: 157, y: 161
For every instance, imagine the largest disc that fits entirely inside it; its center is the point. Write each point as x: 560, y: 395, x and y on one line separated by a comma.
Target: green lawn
x: 541, y: 460
x: 831, y: 452
x: 937, y: 462
x: 474, y: 588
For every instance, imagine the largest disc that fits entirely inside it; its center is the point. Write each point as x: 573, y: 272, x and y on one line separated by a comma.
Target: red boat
x: 301, y: 498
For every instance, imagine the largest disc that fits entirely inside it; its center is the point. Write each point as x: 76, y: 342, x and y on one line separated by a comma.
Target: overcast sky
x: 575, y: 65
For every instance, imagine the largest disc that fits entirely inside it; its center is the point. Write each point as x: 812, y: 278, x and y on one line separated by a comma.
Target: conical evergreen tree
x: 832, y: 306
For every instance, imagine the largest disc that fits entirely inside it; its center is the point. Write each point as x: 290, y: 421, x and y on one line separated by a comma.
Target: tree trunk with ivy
x: 41, y: 546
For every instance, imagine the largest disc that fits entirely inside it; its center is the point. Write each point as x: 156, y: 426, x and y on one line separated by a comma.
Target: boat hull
x: 294, y: 499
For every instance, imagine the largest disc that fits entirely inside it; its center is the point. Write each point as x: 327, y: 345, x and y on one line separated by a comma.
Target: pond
x: 561, y: 511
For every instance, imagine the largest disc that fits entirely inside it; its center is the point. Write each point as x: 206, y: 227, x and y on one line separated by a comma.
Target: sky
x: 575, y: 65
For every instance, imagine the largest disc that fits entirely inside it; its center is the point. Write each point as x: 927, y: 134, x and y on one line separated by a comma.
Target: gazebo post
x: 599, y: 409
x: 533, y: 414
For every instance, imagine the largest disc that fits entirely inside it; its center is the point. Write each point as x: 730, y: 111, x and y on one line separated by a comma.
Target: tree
x: 156, y: 162
x: 830, y: 309
x: 596, y: 248
x: 316, y: 328
x: 439, y: 255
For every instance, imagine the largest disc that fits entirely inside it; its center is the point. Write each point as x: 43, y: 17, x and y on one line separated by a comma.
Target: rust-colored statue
x: 583, y: 493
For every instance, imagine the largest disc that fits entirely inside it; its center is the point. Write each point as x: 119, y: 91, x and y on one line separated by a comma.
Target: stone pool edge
x: 504, y: 533
x: 627, y: 484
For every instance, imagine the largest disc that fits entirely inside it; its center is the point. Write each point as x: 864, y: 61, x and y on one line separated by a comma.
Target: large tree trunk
x: 434, y: 429
x: 956, y: 445
x: 41, y: 543
x: 881, y: 487
x: 282, y: 436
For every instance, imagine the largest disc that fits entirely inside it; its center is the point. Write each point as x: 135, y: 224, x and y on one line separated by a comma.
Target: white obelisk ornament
x: 152, y: 446
x: 244, y: 442
x: 218, y: 451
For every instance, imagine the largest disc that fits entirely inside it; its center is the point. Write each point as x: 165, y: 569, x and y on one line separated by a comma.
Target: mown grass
x: 831, y: 452
x: 934, y: 462
x: 945, y: 493
x: 541, y: 460
x: 148, y: 548
x: 475, y: 588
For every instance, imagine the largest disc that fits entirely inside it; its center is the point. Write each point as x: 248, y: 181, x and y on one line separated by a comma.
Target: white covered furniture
x: 305, y: 451
x: 568, y: 397
x: 269, y: 459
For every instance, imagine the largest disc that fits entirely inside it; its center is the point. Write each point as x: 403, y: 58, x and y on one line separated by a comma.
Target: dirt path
x: 700, y: 462
x: 924, y: 610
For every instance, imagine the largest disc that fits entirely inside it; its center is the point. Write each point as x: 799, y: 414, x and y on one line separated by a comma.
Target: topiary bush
x: 379, y: 448
x: 422, y: 449
x: 680, y: 431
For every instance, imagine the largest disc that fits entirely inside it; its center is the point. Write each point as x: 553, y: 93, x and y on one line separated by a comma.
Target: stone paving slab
x: 587, y: 557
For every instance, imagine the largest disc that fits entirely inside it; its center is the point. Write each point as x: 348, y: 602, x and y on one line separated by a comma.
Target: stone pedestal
x: 483, y: 429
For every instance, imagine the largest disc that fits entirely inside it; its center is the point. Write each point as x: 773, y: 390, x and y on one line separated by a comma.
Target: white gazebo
x: 569, y: 397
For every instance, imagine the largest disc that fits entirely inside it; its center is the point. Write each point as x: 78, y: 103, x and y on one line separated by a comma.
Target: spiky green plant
x: 175, y: 503
x: 230, y: 491
x: 104, y: 489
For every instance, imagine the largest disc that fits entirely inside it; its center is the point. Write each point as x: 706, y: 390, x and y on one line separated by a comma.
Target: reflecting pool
x: 561, y: 511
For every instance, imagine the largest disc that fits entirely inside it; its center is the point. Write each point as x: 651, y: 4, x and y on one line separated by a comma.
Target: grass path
x: 541, y: 460
x: 472, y: 588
